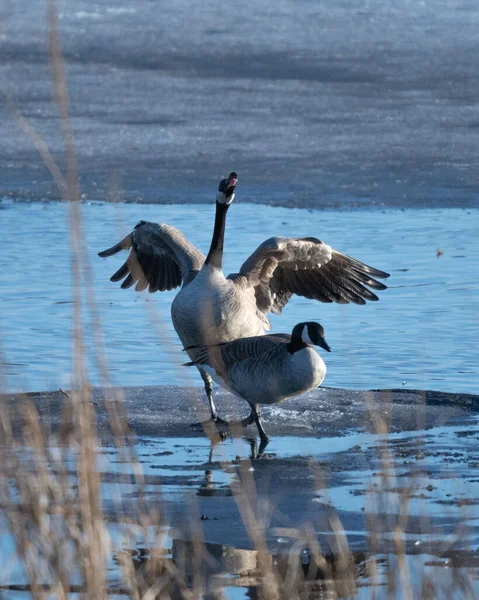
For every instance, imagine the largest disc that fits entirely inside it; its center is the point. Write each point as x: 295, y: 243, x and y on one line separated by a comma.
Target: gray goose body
x: 269, y: 368
x: 211, y: 308
x: 261, y: 370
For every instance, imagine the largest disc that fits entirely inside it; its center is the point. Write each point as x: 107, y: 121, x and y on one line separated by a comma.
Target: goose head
x: 226, y: 189
x: 310, y: 333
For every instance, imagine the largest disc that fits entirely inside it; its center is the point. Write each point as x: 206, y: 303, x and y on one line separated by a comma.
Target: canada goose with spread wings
x: 210, y: 307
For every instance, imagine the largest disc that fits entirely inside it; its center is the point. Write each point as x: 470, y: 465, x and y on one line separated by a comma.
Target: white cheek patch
x: 222, y: 199
x: 305, y: 336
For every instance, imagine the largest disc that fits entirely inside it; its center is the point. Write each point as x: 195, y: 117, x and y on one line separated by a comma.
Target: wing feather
x: 347, y: 289
x: 121, y: 273
x: 128, y: 282
x: 163, y: 275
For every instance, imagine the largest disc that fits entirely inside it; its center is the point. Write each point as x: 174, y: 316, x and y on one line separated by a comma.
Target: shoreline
x: 173, y: 187
x: 46, y: 195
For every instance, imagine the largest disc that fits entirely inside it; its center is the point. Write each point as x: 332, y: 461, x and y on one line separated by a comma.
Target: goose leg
x: 209, y: 392
x: 262, y: 433
x: 255, y: 451
x: 249, y: 420
x: 214, y: 414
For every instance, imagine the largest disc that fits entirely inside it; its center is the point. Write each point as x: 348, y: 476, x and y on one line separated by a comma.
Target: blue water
x: 421, y: 334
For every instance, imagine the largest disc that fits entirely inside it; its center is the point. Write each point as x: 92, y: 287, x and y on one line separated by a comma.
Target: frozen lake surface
x: 422, y: 333
x: 313, y: 103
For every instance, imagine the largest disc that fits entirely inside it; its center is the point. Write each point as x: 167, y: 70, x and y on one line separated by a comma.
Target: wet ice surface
x: 437, y: 468
x: 421, y: 334
x: 440, y: 464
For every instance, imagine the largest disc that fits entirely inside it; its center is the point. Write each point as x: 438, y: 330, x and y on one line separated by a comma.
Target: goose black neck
x: 296, y: 342
x: 215, y: 255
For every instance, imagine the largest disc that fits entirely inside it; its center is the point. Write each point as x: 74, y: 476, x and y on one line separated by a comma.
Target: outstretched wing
x: 160, y: 258
x: 281, y: 267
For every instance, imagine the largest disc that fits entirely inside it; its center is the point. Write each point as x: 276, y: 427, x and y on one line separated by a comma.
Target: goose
x: 269, y: 368
x: 211, y: 308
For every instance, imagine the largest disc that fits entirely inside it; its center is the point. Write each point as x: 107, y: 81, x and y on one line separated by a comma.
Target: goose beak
x: 230, y: 189
x: 324, y: 344
x: 231, y: 185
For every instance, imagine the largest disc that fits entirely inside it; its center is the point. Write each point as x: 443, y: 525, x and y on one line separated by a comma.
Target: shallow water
x: 439, y: 464
x: 421, y: 334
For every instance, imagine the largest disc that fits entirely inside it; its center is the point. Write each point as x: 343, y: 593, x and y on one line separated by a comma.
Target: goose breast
x: 212, y: 309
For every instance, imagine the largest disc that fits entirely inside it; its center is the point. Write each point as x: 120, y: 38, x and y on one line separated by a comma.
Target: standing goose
x: 211, y: 308
x: 268, y: 368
